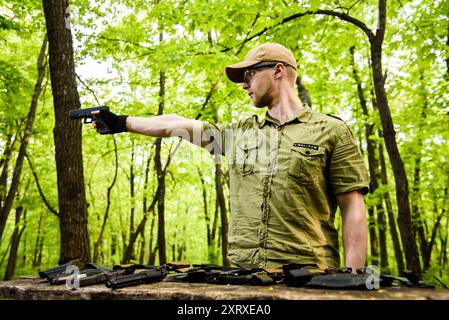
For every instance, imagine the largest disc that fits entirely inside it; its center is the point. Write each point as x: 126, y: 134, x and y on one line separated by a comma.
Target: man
x: 289, y: 170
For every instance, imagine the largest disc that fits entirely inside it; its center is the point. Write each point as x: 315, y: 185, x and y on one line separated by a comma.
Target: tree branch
x: 171, y: 154
x: 47, y: 204
x: 87, y: 87
x: 249, y: 31
x: 209, y: 95
x: 340, y: 15
x: 119, y: 40
x: 348, y: 18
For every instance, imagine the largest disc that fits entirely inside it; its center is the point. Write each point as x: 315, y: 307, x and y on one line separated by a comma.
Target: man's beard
x: 263, y: 101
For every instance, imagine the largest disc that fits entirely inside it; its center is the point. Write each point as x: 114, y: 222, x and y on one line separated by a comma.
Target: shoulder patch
x: 333, y: 116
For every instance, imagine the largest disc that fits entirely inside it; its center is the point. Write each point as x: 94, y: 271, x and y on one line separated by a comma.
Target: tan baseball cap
x: 268, y: 52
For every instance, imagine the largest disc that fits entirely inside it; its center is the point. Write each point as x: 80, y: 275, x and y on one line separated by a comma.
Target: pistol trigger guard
x: 88, y: 120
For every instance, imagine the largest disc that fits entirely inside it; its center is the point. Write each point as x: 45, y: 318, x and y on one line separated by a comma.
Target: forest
x: 66, y: 191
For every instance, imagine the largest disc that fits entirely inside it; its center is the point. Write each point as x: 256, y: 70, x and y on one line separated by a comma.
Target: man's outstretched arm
x: 167, y: 126
x: 161, y: 126
x: 354, y: 227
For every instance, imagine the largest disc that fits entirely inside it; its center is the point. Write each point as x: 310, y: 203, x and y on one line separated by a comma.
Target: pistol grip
x: 101, y: 125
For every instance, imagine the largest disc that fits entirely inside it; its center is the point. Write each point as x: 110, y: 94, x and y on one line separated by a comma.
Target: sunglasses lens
x: 247, y: 75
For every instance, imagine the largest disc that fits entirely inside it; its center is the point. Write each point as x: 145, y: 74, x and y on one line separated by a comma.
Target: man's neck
x: 286, y: 108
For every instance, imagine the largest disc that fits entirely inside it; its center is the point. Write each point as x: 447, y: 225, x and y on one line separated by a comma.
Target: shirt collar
x: 304, y: 116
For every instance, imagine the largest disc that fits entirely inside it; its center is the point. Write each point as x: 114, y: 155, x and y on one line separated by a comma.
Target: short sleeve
x: 347, y: 171
x: 216, y: 134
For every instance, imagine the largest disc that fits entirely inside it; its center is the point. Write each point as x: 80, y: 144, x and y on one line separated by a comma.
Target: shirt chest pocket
x: 246, y: 156
x: 306, y: 164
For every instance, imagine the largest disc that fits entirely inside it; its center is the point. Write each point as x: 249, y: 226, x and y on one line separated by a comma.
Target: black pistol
x: 49, y: 273
x: 135, y: 279
x: 86, y: 114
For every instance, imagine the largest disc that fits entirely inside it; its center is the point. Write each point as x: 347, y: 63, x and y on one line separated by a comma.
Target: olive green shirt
x: 283, y: 183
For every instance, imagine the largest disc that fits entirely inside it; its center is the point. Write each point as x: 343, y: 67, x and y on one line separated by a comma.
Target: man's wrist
x: 128, y: 124
x: 122, y: 119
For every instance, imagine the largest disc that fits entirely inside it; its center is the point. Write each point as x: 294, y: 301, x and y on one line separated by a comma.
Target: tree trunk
x: 160, y: 203
x: 443, y: 254
x: 160, y: 173
x: 303, y: 92
x: 129, y: 248
x: 15, y: 241
x: 5, y: 210
x: 374, y: 246
x: 447, y: 57
x: 443, y: 244
x: 391, y: 218
x: 6, y: 147
x: 372, y: 161
x: 206, y: 212
x: 142, y: 247
x: 215, y: 223
x: 382, y: 226
x: 173, y: 245
x: 108, y: 205
x: 24, y: 255
x: 132, y: 191
x: 38, y: 240
x: 213, y: 249
x: 67, y: 135
x: 5, y: 167
x: 152, y: 256
x: 223, y: 213
x: 427, y: 257
x: 113, y: 244
x: 152, y: 251
x: 123, y: 235
x: 181, y: 244
x: 40, y: 249
x: 418, y: 226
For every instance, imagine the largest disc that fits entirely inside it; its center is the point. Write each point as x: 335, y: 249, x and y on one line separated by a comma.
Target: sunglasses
x: 250, y: 72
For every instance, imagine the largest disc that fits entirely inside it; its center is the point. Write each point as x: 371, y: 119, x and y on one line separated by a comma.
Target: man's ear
x: 279, y: 70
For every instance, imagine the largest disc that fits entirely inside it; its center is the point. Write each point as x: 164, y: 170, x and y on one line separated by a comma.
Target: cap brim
x: 235, y: 71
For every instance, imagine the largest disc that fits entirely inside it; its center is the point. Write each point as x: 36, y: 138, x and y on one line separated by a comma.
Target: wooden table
x: 31, y: 289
